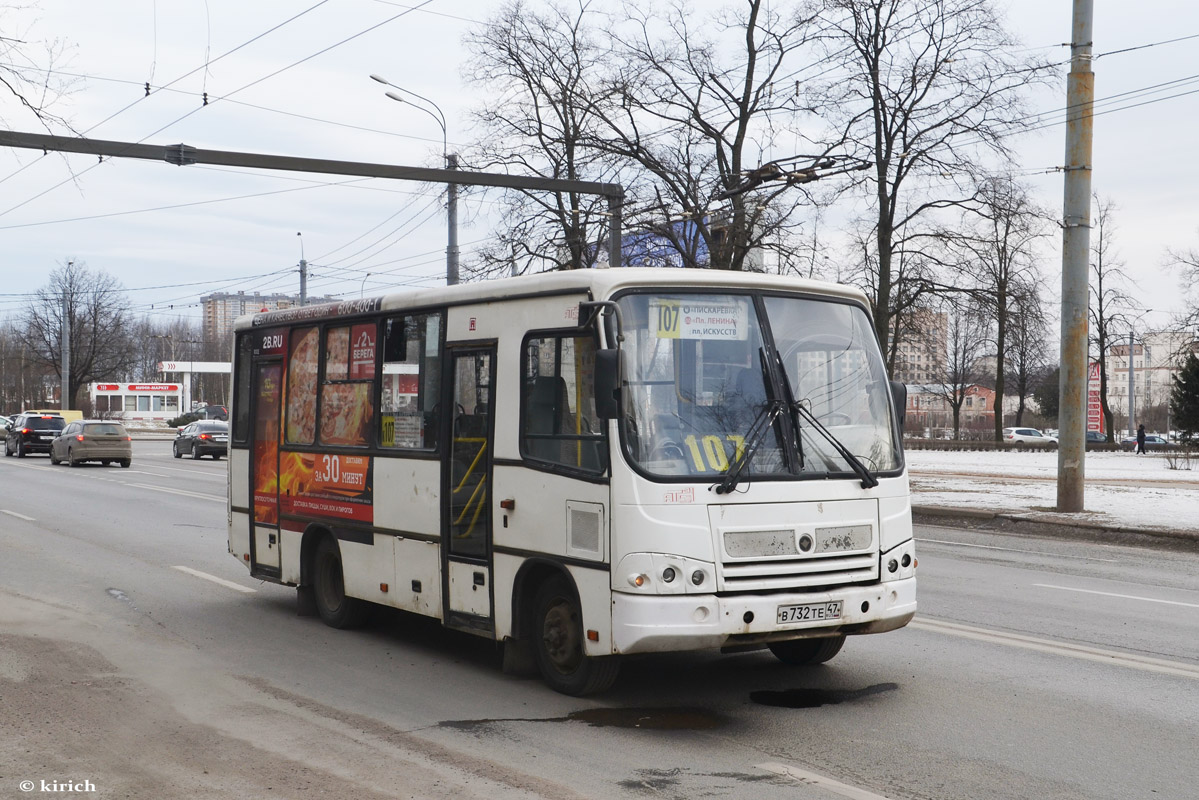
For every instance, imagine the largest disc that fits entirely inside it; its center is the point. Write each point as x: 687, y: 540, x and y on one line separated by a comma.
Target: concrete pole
x: 615, y: 228
x: 1076, y: 247
x: 303, y: 282
x: 65, y: 391
x: 451, y: 250
x: 1132, y: 428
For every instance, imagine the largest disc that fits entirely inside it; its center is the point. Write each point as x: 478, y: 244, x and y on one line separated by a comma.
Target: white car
x: 1028, y: 436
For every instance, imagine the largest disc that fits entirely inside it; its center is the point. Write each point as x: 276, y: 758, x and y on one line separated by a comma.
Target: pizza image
x: 301, y: 387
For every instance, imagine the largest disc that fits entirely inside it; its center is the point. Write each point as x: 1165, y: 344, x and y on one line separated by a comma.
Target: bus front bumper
x: 657, y: 623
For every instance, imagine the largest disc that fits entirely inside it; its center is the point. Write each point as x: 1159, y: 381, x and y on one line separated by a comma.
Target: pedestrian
x: 1140, y: 440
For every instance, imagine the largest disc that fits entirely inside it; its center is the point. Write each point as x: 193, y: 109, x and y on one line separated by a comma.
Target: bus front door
x: 466, y: 484
x: 264, y: 469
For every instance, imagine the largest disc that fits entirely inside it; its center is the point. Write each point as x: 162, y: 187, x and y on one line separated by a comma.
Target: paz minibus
x: 581, y: 465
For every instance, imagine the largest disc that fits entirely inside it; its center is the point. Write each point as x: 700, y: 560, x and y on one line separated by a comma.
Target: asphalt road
x: 139, y: 659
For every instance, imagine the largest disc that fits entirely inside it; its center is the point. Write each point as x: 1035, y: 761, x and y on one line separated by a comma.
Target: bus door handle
x: 480, y: 579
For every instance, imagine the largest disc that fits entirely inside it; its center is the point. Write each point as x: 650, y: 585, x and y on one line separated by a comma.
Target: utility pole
x: 65, y: 390
x: 1132, y: 430
x: 451, y: 250
x: 303, y: 272
x: 1076, y: 247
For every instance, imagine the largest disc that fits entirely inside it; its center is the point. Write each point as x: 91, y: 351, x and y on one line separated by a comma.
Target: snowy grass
x: 1122, y: 489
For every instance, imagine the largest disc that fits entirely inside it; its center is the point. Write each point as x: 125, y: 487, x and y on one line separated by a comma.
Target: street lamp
x: 451, y: 162
x: 362, y: 288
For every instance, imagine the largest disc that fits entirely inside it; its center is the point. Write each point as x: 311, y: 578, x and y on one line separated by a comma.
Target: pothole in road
x: 814, y: 698
x: 661, y: 719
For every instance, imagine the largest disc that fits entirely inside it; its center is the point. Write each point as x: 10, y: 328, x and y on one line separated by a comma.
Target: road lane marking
x: 18, y: 516
x: 814, y: 779
x: 1015, y: 550
x: 177, y: 491
x: 228, y: 584
x: 1113, y: 594
x: 1159, y: 665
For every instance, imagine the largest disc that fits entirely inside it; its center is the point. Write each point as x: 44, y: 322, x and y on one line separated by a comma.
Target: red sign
x: 153, y: 387
x: 1094, y: 404
x: 362, y: 352
x: 108, y: 387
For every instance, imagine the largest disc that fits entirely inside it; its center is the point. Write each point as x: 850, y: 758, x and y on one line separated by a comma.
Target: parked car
x: 1096, y: 437
x: 212, y: 412
x: 1152, y: 442
x: 32, y: 433
x: 92, y: 440
x: 1022, y: 437
x: 202, y: 438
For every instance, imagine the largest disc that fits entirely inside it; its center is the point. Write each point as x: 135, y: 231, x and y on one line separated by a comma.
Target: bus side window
x: 559, y: 424
x: 409, y: 413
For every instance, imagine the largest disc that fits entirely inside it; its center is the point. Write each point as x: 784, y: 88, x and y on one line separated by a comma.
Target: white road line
x: 1014, y: 550
x: 177, y: 491
x: 1159, y: 665
x: 813, y: 779
x: 228, y: 584
x: 1121, y: 596
x: 18, y: 516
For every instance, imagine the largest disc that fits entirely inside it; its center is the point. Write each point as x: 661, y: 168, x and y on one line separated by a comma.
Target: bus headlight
x: 898, y: 563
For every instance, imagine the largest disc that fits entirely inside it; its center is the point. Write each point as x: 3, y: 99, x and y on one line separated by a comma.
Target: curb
x: 1044, y: 524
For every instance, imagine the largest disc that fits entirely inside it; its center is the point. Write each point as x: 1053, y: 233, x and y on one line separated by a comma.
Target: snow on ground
x: 1122, y: 489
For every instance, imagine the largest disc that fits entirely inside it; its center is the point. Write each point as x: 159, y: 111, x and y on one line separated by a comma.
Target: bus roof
x: 600, y: 283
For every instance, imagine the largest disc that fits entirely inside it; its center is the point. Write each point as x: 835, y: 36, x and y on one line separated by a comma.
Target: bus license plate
x: 809, y: 612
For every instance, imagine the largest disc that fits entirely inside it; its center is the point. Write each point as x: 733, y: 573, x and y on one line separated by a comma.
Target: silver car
x: 92, y: 440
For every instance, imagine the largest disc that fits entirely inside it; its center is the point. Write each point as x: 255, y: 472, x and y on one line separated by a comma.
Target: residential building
x: 920, y: 358
x: 1157, y: 357
x: 222, y: 308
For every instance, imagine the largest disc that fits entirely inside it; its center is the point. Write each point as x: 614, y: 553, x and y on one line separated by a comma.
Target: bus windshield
x: 711, y: 378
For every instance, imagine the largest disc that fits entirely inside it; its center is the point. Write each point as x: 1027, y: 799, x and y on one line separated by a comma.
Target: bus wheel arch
x: 321, y: 557
x: 553, y: 628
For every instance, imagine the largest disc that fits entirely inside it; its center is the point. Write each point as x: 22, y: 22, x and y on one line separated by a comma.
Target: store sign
x: 1094, y: 404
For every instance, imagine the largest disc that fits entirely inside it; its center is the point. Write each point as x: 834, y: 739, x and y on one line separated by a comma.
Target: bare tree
x: 698, y: 101
x: 1110, y: 306
x: 966, y: 340
x: 542, y: 70
x: 1028, y: 348
x: 1187, y: 261
x: 96, y: 311
x: 30, y: 84
x: 924, y: 92
x: 996, y: 260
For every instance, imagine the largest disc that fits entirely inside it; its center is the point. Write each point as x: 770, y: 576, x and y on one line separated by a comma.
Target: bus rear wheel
x: 557, y: 635
x: 801, y: 652
x: 337, y: 610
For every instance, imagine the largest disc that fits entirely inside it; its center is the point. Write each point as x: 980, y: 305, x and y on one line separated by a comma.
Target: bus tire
x: 556, y: 633
x: 328, y: 584
x: 803, y: 652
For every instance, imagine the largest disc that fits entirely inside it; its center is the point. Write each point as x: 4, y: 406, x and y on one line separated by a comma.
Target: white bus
x: 581, y: 465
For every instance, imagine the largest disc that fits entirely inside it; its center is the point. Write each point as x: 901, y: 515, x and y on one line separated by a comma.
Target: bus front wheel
x: 801, y: 652
x: 557, y: 635
x: 337, y: 610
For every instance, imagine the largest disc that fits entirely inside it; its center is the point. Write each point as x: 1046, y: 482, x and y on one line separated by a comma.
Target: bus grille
x: 776, y: 575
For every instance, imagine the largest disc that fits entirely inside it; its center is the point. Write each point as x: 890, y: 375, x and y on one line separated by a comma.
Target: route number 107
x: 708, y: 452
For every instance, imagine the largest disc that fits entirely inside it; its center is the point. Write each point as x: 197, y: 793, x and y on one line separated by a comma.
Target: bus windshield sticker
x: 711, y: 318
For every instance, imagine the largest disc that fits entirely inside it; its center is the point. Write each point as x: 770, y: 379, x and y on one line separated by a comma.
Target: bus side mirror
x: 899, y: 396
x: 607, y: 383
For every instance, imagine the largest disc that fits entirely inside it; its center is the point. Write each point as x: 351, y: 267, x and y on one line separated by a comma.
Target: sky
x: 293, y: 79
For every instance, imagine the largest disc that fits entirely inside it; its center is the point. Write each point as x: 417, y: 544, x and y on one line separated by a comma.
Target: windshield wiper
x: 855, y: 463
x: 763, y: 422
x: 868, y: 480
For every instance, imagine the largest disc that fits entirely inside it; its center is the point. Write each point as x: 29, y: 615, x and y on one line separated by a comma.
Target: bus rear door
x: 267, y: 397
x: 466, y: 486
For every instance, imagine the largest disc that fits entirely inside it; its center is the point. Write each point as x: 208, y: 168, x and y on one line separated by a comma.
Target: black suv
x: 32, y: 433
